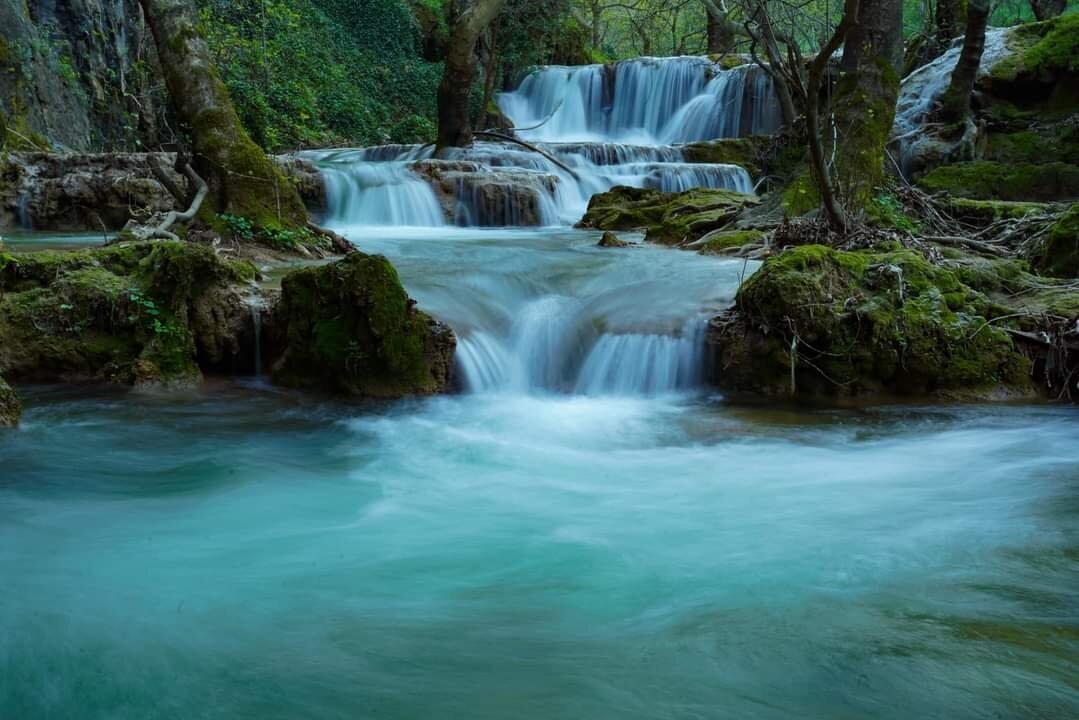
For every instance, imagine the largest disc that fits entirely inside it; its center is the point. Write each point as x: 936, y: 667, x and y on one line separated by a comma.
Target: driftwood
x: 162, y: 230
x: 528, y: 146
x: 339, y: 242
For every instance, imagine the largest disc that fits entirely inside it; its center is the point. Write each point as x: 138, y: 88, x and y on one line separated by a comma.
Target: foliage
x: 306, y: 73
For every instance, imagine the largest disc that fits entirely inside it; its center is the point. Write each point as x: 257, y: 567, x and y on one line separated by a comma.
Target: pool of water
x: 526, y: 550
x: 33, y: 241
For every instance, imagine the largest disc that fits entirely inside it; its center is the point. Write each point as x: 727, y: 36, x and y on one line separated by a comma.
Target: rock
x: 610, y: 240
x: 862, y: 323
x: 10, y: 407
x: 133, y: 313
x: 490, y: 198
x: 726, y: 242
x: 988, y: 180
x: 667, y: 218
x: 1058, y: 252
x: 349, y: 327
x: 102, y: 191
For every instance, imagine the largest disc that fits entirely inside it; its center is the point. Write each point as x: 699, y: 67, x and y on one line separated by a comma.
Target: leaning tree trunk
x: 454, y: 127
x: 864, y: 99
x: 956, y: 99
x: 1046, y: 9
x: 242, y: 180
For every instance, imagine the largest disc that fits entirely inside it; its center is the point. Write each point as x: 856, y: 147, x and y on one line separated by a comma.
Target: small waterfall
x: 649, y: 101
x: 375, y: 186
x: 22, y: 212
x: 256, y: 325
x: 922, y: 88
x: 644, y: 364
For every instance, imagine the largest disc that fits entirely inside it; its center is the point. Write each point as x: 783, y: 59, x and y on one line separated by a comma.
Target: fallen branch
x: 339, y: 242
x: 956, y: 241
x: 529, y: 146
x: 162, y: 230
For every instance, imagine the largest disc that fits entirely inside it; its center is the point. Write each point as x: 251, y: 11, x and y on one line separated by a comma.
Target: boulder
x: 667, y: 218
x: 133, y: 313
x: 1057, y: 254
x: 815, y: 321
x: 610, y: 240
x: 350, y: 328
x: 10, y: 407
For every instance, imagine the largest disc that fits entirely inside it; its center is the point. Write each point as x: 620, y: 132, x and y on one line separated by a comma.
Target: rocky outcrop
x: 1057, y: 253
x: 78, y: 74
x: 349, y: 327
x: 132, y: 313
x: 97, y: 191
x: 10, y: 406
x: 490, y: 197
x: 666, y: 218
x: 816, y: 321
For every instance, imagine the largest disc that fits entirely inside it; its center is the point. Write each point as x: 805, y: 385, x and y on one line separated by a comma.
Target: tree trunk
x: 957, y: 97
x: 242, y: 180
x: 1046, y: 9
x: 721, y: 32
x: 949, y: 21
x: 864, y: 99
x: 490, y: 67
x: 454, y: 127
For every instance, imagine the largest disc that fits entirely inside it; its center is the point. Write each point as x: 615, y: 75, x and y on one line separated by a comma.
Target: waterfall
x: 650, y: 101
x: 921, y: 90
x: 22, y: 212
x: 609, y: 125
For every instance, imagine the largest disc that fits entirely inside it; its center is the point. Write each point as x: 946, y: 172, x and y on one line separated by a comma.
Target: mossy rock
x: 725, y: 241
x: 1042, y: 73
x: 118, y: 313
x: 988, y: 211
x: 1044, y: 143
x: 864, y: 322
x: 349, y: 327
x: 987, y: 180
x: 1058, y: 252
x: 10, y: 406
x: 667, y: 218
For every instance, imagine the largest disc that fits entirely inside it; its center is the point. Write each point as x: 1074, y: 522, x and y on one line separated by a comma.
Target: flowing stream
x: 584, y: 531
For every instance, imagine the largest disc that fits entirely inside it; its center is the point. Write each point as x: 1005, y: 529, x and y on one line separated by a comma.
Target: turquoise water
x: 524, y: 552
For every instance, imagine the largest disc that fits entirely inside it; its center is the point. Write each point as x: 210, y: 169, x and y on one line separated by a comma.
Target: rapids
x: 583, y: 531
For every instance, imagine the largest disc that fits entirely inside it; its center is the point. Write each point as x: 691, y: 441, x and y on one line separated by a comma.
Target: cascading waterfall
x: 525, y: 327
x: 650, y: 101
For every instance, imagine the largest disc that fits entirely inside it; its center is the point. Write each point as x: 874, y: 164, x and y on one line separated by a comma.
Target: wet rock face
x: 10, y: 407
x: 79, y: 73
x: 349, y: 327
x: 667, y: 218
x: 610, y: 240
x: 472, y: 194
x: 132, y: 313
x: 815, y: 321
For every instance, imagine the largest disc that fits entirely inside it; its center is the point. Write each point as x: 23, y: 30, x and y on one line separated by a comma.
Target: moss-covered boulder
x: 818, y: 321
x: 725, y: 242
x: 349, y: 327
x: 988, y: 180
x: 1043, y: 69
x: 121, y: 313
x: 1058, y: 252
x: 669, y: 218
x: 10, y: 407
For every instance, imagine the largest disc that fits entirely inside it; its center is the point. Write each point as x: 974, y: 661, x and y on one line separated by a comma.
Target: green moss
x: 801, y: 195
x: 351, y: 328
x: 986, y: 180
x: 725, y: 240
x: 1058, y: 252
x: 866, y: 321
x: 988, y: 211
x: 667, y: 218
x: 117, y: 313
x: 885, y: 210
x: 1047, y: 142
x: 1042, y: 49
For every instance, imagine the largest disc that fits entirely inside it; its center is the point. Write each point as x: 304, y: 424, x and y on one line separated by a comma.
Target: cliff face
x: 78, y: 74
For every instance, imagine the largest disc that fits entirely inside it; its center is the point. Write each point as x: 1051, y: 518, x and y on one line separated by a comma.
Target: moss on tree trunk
x: 242, y: 179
